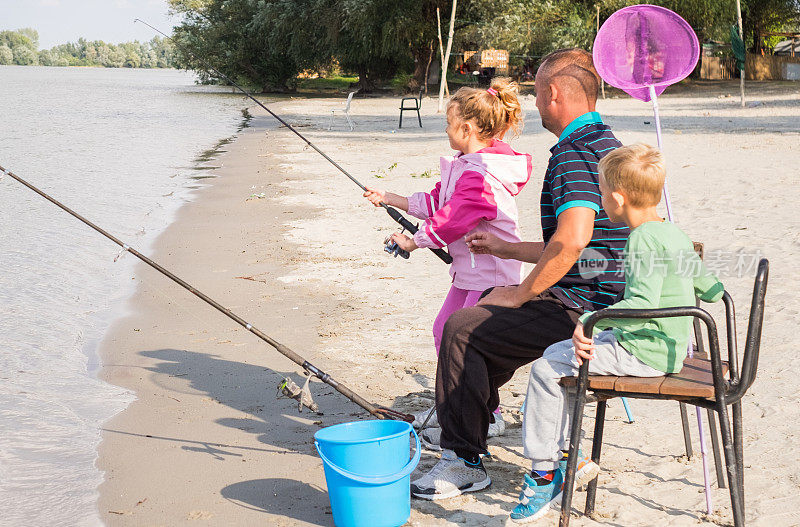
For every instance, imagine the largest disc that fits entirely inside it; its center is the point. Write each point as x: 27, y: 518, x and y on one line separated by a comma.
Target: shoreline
x: 206, y: 440
x: 132, y: 431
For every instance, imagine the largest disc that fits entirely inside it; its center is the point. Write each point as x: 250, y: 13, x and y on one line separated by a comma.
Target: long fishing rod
x: 394, y: 213
x: 380, y: 412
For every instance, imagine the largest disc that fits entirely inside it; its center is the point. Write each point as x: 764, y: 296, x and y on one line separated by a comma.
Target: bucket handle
x: 377, y: 480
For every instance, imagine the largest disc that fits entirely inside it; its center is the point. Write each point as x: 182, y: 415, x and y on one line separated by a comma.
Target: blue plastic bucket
x: 368, y: 471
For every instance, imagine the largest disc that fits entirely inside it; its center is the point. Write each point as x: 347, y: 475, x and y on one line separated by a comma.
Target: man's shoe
x: 450, y: 477
x: 585, y: 472
x: 419, y: 418
x: 431, y: 438
x: 536, y: 500
x: 497, y: 428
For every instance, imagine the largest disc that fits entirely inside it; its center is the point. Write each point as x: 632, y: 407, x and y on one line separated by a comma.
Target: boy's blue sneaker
x: 536, y: 500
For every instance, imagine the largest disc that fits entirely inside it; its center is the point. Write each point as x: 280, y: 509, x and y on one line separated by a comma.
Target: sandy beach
x: 287, y: 242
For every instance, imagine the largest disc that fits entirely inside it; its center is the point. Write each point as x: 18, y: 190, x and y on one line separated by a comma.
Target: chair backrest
x: 421, y: 91
x: 349, y: 100
x: 752, y: 345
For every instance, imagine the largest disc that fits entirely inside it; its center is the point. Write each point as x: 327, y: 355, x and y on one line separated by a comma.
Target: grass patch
x: 332, y: 82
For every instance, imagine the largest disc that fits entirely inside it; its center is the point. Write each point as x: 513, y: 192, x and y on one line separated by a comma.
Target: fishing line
x: 380, y: 412
x: 394, y: 213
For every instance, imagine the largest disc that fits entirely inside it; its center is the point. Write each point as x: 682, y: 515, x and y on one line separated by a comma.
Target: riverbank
x: 287, y: 242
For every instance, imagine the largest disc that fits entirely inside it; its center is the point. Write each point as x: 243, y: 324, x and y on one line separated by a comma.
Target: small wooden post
x: 447, y: 57
x: 741, y: 35
x: 441, y: 48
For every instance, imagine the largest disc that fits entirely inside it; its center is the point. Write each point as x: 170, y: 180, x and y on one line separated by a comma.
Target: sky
x: 60, y: 21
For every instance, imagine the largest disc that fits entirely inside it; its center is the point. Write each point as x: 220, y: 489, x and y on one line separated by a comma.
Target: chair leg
x: 730, y: 463
x: 401, y: 118
x: 330, y: 125
x: 712, y: 430
x: 572, y: 459
x: 419, y: 118
x: 350, y: 122
x: 597, y: 445
x: 687, y: 436
x: 738, y: 447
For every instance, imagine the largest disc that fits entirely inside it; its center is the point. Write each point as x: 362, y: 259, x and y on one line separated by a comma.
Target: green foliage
x: 328, y: 82
x: 25, y: 56
x: 225, y: 34
x: 768, y: 16
x: 6, y: 55
x: 266, y: 43
x: 23, y: 45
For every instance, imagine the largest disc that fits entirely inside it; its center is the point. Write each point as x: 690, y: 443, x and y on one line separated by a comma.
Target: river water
x: 120, y: 147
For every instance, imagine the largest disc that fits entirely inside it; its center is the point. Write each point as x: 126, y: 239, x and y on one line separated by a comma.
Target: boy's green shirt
x: 661, y: 270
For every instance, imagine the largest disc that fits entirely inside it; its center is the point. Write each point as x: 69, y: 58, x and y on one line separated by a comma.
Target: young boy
x: 661, y: 270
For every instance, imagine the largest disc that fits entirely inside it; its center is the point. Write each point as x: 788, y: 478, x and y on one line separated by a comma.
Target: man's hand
x: 584, y: 347
x: 487, y: 243
x: 508, y: 296
x: 404, y: 242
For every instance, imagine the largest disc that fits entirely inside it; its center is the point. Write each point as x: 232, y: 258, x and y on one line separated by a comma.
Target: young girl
x: 476, y: 194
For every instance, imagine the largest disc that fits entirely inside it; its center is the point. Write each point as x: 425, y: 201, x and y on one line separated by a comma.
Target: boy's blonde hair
x: 493, y: 111
x: 638, y: 170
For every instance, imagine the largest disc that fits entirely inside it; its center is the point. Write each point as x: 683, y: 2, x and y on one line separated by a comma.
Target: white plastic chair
x: 346, y: 111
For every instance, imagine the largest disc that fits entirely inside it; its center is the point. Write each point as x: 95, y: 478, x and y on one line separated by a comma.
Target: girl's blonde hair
x: 494, y: 111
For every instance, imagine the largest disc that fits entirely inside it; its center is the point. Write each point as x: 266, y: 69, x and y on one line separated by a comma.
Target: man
x: 483, y: 346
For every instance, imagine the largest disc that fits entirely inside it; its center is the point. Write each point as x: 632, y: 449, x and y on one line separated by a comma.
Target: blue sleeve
x: 572, y: 181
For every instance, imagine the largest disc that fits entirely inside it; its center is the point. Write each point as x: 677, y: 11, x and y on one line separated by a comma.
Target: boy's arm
x: 643, y: 279
x: 471, y: 202
x: 706, y: 286
x: 423, y: 205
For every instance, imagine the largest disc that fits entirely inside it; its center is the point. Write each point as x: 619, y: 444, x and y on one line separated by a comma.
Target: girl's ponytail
x: 507, y: 91
x: 494, y: 110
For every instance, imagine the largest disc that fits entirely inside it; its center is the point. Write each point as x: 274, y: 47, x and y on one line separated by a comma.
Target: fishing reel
x: 287, y: 388
x: 394, y: 249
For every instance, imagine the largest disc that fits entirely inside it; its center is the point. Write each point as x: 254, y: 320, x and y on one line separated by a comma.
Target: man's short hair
x: 638, y: 171
x: 573, y: 70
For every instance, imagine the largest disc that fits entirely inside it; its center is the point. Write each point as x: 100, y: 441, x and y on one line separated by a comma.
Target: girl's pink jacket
x: 476, y: 194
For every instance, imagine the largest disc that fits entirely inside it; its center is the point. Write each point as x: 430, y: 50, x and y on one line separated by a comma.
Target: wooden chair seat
x: 694, y: 380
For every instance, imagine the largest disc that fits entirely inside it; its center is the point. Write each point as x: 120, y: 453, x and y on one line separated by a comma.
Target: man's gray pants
x: 545, y: 429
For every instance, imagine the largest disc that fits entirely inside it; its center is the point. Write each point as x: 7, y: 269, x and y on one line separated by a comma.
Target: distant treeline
x: 21, y: 47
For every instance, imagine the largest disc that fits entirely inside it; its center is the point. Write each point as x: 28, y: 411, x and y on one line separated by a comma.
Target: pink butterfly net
x: 642, y: 46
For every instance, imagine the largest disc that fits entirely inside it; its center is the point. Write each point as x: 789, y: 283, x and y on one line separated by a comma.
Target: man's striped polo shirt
x: 596, y: 280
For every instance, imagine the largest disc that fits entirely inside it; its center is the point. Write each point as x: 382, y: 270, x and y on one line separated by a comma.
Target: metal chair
x: 415, y: 106
x: 708, y: 383
x: 346, y: 111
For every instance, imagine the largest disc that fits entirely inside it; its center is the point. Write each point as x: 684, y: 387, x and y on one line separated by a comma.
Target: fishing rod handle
x: 410, y: 227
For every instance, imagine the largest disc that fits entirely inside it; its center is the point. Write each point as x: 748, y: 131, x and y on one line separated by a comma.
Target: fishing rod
x: 394, y: 213
x: 379, y: 412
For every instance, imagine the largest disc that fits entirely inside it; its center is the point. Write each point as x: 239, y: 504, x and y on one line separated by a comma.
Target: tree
x: 25, y: 56
x: 15, y: 39
x: 222, y: 33
x: 760, y: 17
x: 6, y: 55
x: 46, y: 58
x: 32, y: 35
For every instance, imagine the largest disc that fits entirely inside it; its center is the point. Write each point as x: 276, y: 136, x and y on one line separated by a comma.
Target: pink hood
x: 476, y: 194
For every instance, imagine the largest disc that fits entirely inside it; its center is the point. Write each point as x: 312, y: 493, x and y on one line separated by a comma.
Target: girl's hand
x: 584, y: 347
x: 375, y: 196
x: 404, y: 242
x: 486, y: 243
